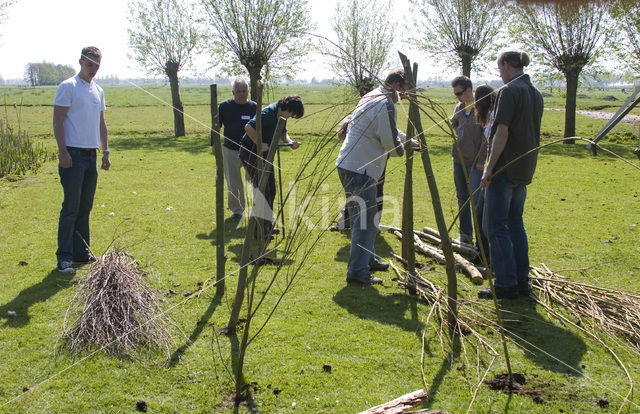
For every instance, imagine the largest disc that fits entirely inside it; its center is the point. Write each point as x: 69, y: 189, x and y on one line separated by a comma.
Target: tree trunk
x: 254, y: 78
x: 466, y: 65
x: 570, y: 105
x: 171, y: 69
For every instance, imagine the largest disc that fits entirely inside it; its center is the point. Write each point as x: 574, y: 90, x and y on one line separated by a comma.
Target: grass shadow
x: 366, y: 302
x: 40, y: 292
x: 549, y: 346
x: 233, y: 229
x: 383, y: 249
x: 178, y: 353
x: 157, y: 143
x: 445, y: 366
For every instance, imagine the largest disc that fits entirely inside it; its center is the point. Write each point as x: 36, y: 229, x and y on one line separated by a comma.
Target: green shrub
x: 18, y: 153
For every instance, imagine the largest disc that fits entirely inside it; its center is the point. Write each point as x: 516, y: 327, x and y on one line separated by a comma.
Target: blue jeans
x: 79, y: 186
x: 504, y: 205
x: 462, y: 193
x: 361, y: 193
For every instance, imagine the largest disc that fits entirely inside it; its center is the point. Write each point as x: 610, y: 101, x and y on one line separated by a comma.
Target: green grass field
x: 158, y: 202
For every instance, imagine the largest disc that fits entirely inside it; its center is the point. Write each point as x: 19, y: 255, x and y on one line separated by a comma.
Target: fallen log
x: 403, y: 405
x: 462, y: 264
x: 467, y: 250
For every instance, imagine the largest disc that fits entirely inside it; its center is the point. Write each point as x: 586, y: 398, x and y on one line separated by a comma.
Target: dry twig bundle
x: 468, y: 319
x: 596, y: 308
x: 116, y: 310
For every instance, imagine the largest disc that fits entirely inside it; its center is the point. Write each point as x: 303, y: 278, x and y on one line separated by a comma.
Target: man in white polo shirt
x: 80, y: 129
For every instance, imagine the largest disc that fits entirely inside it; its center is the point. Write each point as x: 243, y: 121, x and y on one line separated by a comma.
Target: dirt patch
x: 603, y: 116
x: 516, y: 386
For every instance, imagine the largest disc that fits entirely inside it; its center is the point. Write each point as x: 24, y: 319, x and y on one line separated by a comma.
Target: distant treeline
x: 41, y: 74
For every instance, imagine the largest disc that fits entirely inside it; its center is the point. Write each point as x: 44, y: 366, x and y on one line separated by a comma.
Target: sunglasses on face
x: 459, y: 94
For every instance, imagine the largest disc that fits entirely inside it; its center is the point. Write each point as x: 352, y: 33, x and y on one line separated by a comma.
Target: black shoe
x: 524, y: 289
x: 501, y: 293
x: 83, y: 261
x: 366, y: 280
x: 236, y: 216
x: 378, y: 266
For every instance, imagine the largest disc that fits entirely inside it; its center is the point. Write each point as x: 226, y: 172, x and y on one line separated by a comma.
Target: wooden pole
x: 216, y: 146
x: 452, y: 282
x: 249, y: 240
x: 408, y: 248
x: 242, y: 277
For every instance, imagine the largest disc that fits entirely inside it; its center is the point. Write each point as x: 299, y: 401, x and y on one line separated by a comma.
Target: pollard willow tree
x: 263, y: 36
x: 461, y: 30
x: 626, y: 15
x: 164, y: 36
x: 568, y: 36
x: 364, y: 35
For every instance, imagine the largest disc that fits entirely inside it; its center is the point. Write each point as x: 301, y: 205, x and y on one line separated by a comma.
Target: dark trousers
x: 379, y: 197
x: 250, y: 161
x: 79, y: 186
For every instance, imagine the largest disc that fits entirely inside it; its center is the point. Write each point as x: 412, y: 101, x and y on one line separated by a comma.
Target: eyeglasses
x: 459, y: 94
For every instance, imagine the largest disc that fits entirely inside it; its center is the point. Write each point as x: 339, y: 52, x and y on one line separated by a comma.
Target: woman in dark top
x: 485, y: 98
x: 288, y: 107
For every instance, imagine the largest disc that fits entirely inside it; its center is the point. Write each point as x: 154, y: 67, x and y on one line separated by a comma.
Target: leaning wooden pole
x: 216, y: 145
x: 452, y: 282
x: 248, y: 241
x: 252, y: 227
x: 408, y: 247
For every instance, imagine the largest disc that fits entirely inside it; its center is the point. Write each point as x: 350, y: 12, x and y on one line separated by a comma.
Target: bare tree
x: 462, y: 30
x: 626, y: 14
x: 568, y: 36
x: 31, y: 74
x: 263, y: 36
x: 164, y: 37
x: 364, y: 35
x: 4, y: 5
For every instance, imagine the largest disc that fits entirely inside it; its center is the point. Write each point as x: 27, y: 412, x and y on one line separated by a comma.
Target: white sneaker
x: 65, y: 267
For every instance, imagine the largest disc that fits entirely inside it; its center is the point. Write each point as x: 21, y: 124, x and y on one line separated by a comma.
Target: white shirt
x: 371, y: 136
x: 85, y: 102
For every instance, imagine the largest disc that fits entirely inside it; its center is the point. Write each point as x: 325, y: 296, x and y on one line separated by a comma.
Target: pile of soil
x: 516, y: 386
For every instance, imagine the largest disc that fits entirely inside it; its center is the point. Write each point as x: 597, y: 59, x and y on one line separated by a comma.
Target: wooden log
x: 403, y: 405
x: 465, y: 249
x: 462, y: 265
x: 434, y: 233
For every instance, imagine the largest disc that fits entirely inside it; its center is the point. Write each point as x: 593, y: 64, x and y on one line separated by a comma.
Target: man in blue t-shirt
x: 234, y: 114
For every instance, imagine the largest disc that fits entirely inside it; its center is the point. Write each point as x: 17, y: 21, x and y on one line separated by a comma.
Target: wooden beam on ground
x: 403, y: 404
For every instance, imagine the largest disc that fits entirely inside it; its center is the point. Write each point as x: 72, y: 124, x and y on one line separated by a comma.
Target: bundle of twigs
x: 116, y: 310
x: 596, y: 308
x: 465, y: 329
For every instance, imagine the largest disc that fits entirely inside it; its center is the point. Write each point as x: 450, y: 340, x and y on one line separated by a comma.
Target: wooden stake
x: 216, y: 146
x: 452, y: 282
x: 408, y: 249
